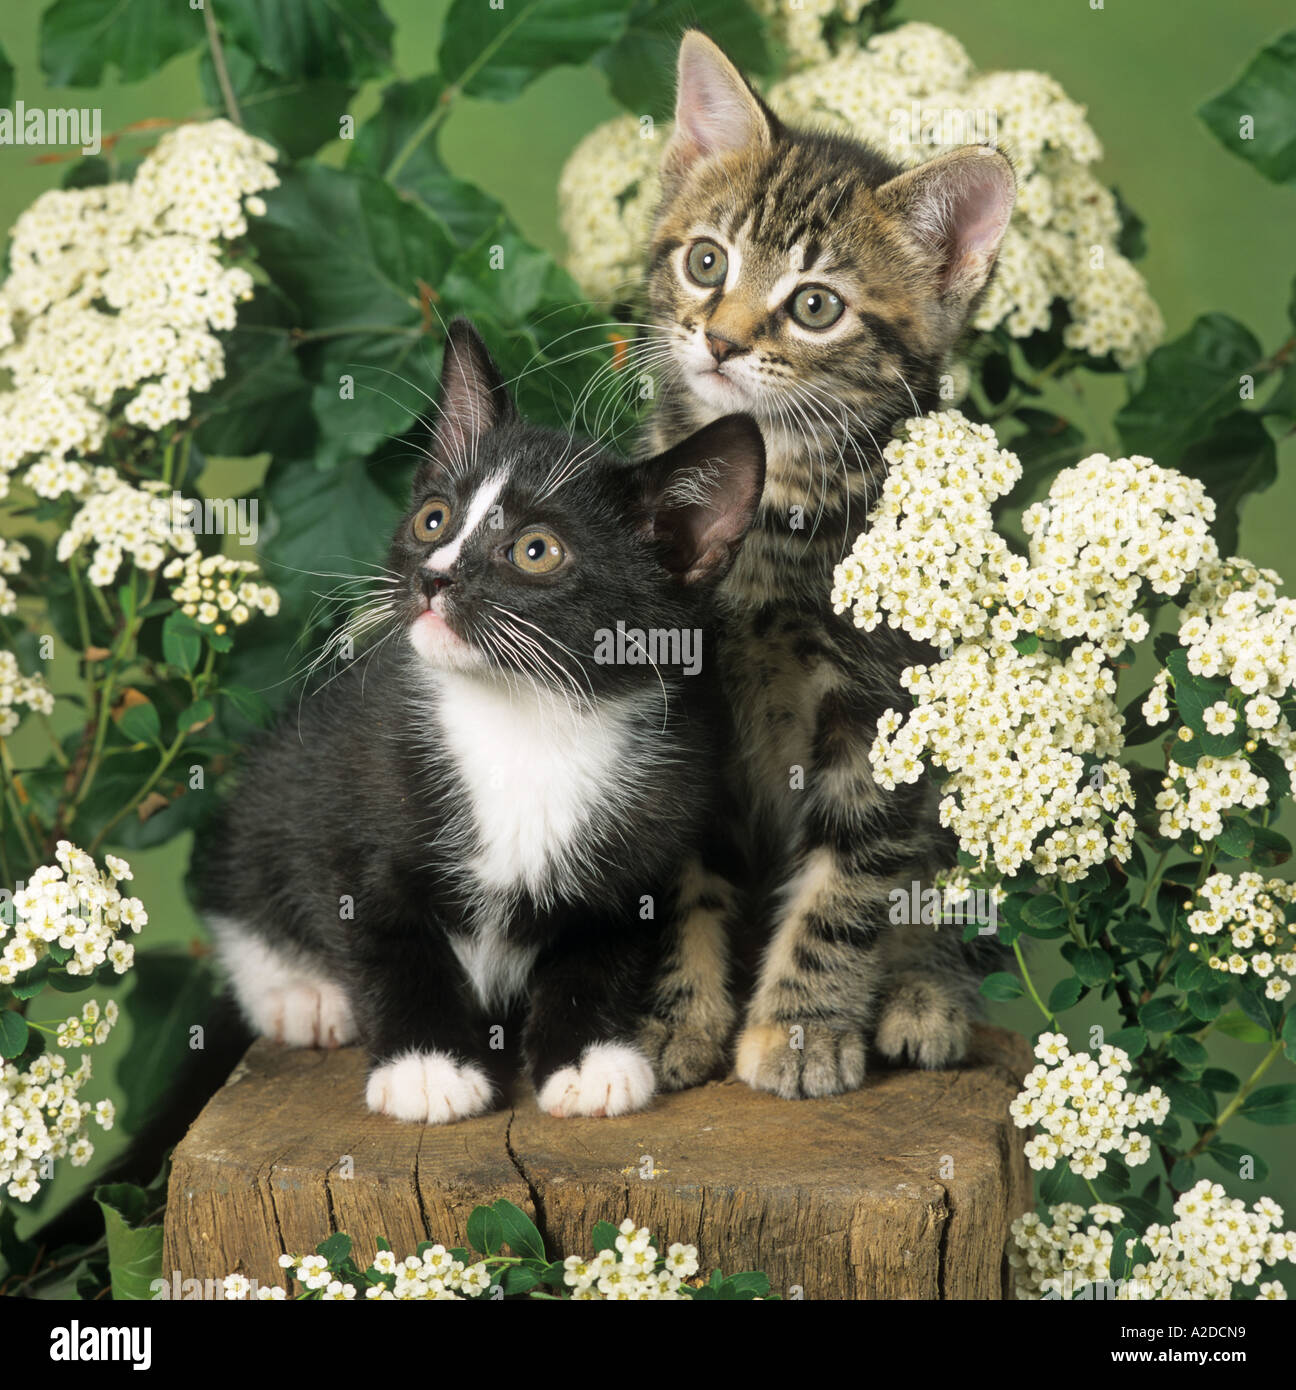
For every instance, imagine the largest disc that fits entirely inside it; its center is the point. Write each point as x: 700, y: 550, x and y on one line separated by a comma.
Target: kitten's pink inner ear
x: 715, y: 111
x: 959, y: 204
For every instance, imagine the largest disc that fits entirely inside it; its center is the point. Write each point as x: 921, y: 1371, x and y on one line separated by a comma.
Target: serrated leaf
x: 1187, y: 1050
x: 80, y: 38
x: 1255, y: 118
x: 181, y: 643
x: 1189, y: 384
x: 603, y: 1237
x: 1092, y: 964
x: 134, y: 1248
x: 1132, y: 1041
x: 496, y: 53
x: 312, y: 38
x: 1161, y: 1015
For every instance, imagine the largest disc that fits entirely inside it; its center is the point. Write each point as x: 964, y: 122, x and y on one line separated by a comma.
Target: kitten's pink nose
x: 722, y: 347
x: 433, y: 584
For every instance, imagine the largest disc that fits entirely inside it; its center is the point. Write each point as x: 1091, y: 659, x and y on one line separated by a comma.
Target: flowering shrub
x: 68, y: 930
x: 1019, y: 720
x: 626, y: 1267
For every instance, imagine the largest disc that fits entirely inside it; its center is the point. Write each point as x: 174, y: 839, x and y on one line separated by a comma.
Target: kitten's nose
x: 723, y: 347
x: 433, y: 584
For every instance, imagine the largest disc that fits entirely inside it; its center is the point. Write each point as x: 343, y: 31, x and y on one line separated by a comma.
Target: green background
x: 1219, y: 237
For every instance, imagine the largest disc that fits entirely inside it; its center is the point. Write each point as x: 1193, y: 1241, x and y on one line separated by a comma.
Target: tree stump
x: 904, y: 1189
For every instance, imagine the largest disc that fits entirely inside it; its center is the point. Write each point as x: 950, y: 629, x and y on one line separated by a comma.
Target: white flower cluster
x: 74, y: 905
x: 208, y: 590
x: 629, y: 1272
x: 17, y: 689
x: 12, y: 555
x: 801, y: 26
x: 1082, y: 1110
x: 1028, y: 739
x: 434, y: 1276
x: 1257, y: 918
x: 41, y: 1116
x: 1213, y: 1245
x: 114, y: 296
x: 911, y: 93
x: 1235, y: 627
x: 118, y: 519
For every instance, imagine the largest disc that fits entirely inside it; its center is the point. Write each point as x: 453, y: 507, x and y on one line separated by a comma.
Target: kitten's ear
x: 715, y: 109
x: 473, y: 396
x: 958, y: 204
x: 701, y: 496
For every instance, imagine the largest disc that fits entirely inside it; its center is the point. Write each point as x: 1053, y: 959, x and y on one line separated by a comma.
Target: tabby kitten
x: 477, y: 823
x: 806, y: 279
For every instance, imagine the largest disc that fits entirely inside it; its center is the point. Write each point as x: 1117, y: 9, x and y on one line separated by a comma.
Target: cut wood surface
x: 904, y: 1189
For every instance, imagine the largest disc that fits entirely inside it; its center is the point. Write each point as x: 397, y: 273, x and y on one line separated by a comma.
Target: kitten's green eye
x: 707, y: 264
x: 816, y: 307
x: 432, y: 519
x: 537, y: 552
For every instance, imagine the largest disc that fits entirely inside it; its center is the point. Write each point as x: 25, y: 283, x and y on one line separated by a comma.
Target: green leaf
x: 485, y: 1231
x: 1217, y: 1079
x: 312, y: 38
x: 1045, y: 916
x: 1189, y: 1101
x: 1132, y: 1041
x: 520, y: 1233
x: 1189, y: 384
x: 1001, y: 986
x: 1236, y: 458
x: 1048, y: 443
x: 604, y: 1237
x: 1289, y: 1035
x: 298, y: 114
x: 1093, y: 965
x: 336, y: 1248
x: 199, y: 713
x: 1269, y: 848
x: 1187, y: 1050
x: 1027, y: 645
x: 1202, y: 1005
x: 398, y: 131
x: 640, y: 66
x: 497, y: 53
x: 134, y: 1249
x: 1161, y: 1015
x: 1231, y: 1157
x: 518, y: 1279
x: 6, y: 79
x: 182, y: 642
x: 1255, y: 118
x: 140, y: 723
x: 249, y: 704
x: 1271, y: 1105
x: 1138, y: 934
x: 352, y: 255
x: 1183, y: 1174
x: 324, y: 520
x: 1239, y: 1026
x: 1237, y: 838
x: 1065, y: 994
x: 13, y: 1033
x: 80, y: 38
x: 30, y: 983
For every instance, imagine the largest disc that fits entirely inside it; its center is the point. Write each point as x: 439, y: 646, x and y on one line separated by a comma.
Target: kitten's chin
x: 440, y: 646
x: 719, y: 392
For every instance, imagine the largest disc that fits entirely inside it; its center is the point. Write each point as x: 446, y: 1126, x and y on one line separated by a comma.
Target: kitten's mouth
x: 717, y: 387
x: 431, y: 635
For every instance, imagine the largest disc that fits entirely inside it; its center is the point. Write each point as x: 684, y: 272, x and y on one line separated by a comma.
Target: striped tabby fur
x: 907, y: 254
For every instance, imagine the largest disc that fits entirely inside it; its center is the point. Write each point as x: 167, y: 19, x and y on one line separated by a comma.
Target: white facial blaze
x: 444, y: 557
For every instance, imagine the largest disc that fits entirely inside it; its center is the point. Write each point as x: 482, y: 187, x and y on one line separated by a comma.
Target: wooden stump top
x: 903, y: 1189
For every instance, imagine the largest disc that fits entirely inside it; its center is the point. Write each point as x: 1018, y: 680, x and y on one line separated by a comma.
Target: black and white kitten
x: 462, y: 850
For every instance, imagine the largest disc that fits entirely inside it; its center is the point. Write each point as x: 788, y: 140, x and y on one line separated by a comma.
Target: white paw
x: 429, y: 1088
x: 309, y: 1015
x: 612, y: 1079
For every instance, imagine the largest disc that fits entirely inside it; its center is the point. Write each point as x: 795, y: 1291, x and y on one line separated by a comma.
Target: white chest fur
x: 537, y: 774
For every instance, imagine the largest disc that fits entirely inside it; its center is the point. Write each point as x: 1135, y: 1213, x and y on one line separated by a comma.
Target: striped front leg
x: 692, y: 1014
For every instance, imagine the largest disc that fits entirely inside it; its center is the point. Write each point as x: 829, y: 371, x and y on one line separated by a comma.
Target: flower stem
x: 1238, y: 1100
x: 218, y: 63
x: 1030, y: 984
